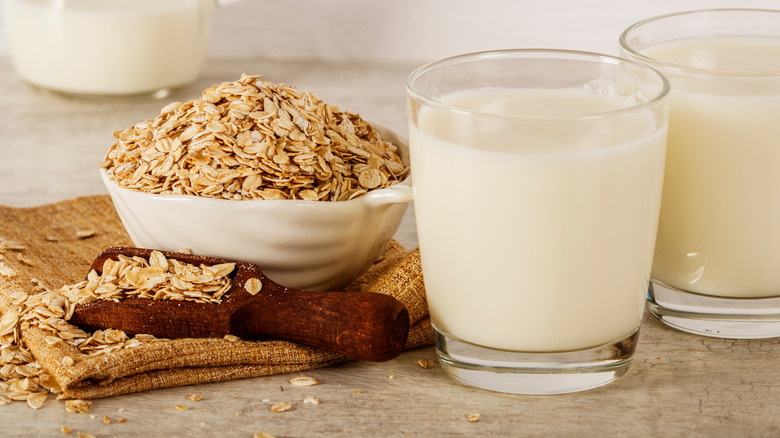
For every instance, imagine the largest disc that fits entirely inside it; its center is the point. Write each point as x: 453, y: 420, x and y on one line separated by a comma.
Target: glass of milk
x: 716, y: 270
x: 108, y: 47
x: 537, y: 180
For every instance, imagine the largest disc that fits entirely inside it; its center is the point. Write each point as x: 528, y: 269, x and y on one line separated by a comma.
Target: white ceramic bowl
x: 311, y: 245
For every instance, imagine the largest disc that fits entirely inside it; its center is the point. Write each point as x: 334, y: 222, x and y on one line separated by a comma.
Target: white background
x: 424, y: 30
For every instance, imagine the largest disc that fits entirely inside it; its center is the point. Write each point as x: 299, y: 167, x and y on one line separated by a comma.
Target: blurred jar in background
x: 108, y: 47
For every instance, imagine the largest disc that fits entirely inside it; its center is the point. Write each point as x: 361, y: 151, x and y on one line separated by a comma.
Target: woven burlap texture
x: 51, y: 236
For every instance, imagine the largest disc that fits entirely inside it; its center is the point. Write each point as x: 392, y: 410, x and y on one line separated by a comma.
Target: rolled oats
x: 311, y: 400
x: 253, y: 286
x: 7, y: 271
x: 84, y: 234
x: 24, y: 260
x: 23, y: 379
x: 10, y: 245
x: 36, y: 399
x: 281, y: 407
x: 77, y: 406
x: 304, y: 381
x: 252, y: 139
x: 426, y: 363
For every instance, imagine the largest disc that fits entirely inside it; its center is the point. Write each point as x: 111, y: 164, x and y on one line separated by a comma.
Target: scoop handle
x: 360, y: 325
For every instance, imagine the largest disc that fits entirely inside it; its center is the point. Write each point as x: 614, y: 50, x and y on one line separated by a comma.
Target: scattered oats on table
x: 426, y: 363
x: 77, y: 406
x: 473, y: 418
x: 281, y: 407
x: 304, y: 381
x: 253, y: 139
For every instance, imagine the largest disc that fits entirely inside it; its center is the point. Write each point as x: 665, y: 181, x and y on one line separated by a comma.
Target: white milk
x: 108, y: 46
x: 719, y: 231
x: 536, y: 239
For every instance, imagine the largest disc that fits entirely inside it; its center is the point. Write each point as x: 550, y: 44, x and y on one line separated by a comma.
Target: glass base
x: 160, y: 93
x: 534, y: 373
x: 718, y: 317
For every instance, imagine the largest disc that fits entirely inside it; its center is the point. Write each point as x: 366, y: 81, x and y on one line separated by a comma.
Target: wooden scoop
x: 360, y: 325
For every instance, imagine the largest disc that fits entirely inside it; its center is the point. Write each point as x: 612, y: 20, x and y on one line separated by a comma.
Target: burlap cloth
x: 54, y: 237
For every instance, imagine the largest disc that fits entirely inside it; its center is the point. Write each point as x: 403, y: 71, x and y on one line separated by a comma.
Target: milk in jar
x: 719, y: 231
x: 112, y: 47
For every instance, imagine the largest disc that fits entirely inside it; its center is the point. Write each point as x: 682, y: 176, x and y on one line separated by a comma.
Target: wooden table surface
x: 679, y: 384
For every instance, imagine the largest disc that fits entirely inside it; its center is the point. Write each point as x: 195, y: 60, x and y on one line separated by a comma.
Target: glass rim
x: 558, y: 54
x: 683, y: 69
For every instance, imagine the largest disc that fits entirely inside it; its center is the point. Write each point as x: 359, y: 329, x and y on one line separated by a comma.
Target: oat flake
x: 304, y: 381
x: 281, y: 407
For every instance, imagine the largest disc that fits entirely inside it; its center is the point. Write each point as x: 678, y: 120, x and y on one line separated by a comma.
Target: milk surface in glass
x: 536, y: 236
x: 719, y: 231
x: 108, y: 46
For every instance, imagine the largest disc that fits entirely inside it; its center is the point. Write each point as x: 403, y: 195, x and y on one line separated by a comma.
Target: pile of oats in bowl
x: 253, y: 139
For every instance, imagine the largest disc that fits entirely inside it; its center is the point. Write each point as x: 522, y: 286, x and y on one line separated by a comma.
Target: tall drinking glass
x: 717, y: 263
x: 537, y: 178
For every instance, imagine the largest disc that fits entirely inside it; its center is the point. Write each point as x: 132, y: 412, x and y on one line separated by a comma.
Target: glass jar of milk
x: 717, y: 257
x: 108, y: 47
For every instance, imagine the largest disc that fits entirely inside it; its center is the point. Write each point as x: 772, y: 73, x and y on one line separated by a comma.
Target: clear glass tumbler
x: 716, y: 270
x: 108, y: 47
x: 537, y: 180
